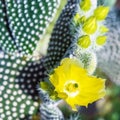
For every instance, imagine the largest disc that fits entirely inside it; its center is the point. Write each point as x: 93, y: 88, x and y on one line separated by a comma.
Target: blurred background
x: 109, y: 107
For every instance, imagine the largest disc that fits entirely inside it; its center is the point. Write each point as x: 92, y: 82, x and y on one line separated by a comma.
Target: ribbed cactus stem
x: 48, y: 108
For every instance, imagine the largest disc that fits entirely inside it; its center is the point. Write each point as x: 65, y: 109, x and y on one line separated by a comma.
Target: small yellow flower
x: 74, y: 85
x: 101, y: 12
x: 90, y: 25
x: 84, y: 41
x: 85, y: 5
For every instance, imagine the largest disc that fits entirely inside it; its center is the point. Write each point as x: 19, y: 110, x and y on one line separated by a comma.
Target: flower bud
x: 82, y: 19
x: 85, y: 5
x: 101, y: 40
x: 103, y: 29
x: 90, y: 25
x: 101, y: 12
x: 76, y: 18
x: 44, y: 85
x: 84, y: 41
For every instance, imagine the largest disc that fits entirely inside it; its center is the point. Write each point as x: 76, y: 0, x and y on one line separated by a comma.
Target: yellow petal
x: 53, y: 79
x: 62, y: 95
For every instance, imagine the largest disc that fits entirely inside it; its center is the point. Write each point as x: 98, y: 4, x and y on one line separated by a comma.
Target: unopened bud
x: 103, y: 29
x: 76, y: 18
x: 101, y: 40
x: 85, y: 5
x: 90, y: 25
x: 82, y: 19
x: 101, y: 12
x: 84, y: 41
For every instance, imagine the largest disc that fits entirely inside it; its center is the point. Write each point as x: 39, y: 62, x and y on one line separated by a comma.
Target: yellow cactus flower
x: 85, y: 5
x: 73, y: 84
x: 101, y: 12
x: 101, y: 40
x: 84, y: 41
x: 90, y: 25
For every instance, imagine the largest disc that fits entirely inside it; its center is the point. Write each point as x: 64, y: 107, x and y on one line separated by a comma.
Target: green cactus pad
x: 18, y: 92
x: 23, y: 23
x: 61, y: 36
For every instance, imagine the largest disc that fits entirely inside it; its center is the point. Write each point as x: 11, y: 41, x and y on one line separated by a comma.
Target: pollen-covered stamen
x: 71, y: 88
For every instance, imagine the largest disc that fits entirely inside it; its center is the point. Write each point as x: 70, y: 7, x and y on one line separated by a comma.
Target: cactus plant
x: 22, y: 25
x: 61, y: 36
x: 78, y: 33
x: 48, y: 108
x: 18, y: 80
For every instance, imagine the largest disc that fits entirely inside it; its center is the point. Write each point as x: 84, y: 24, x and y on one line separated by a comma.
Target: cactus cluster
x: 22, y: 24
x: 79, y: 32
x: 19, y: 77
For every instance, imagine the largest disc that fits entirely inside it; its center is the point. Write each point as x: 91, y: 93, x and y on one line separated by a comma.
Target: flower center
x: 71, y: 88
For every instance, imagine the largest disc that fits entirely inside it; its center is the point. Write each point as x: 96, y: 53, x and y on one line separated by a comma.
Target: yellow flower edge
x: 75, y: 86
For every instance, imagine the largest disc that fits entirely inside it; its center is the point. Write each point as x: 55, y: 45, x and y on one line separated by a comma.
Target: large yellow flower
x: 74, y: 85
